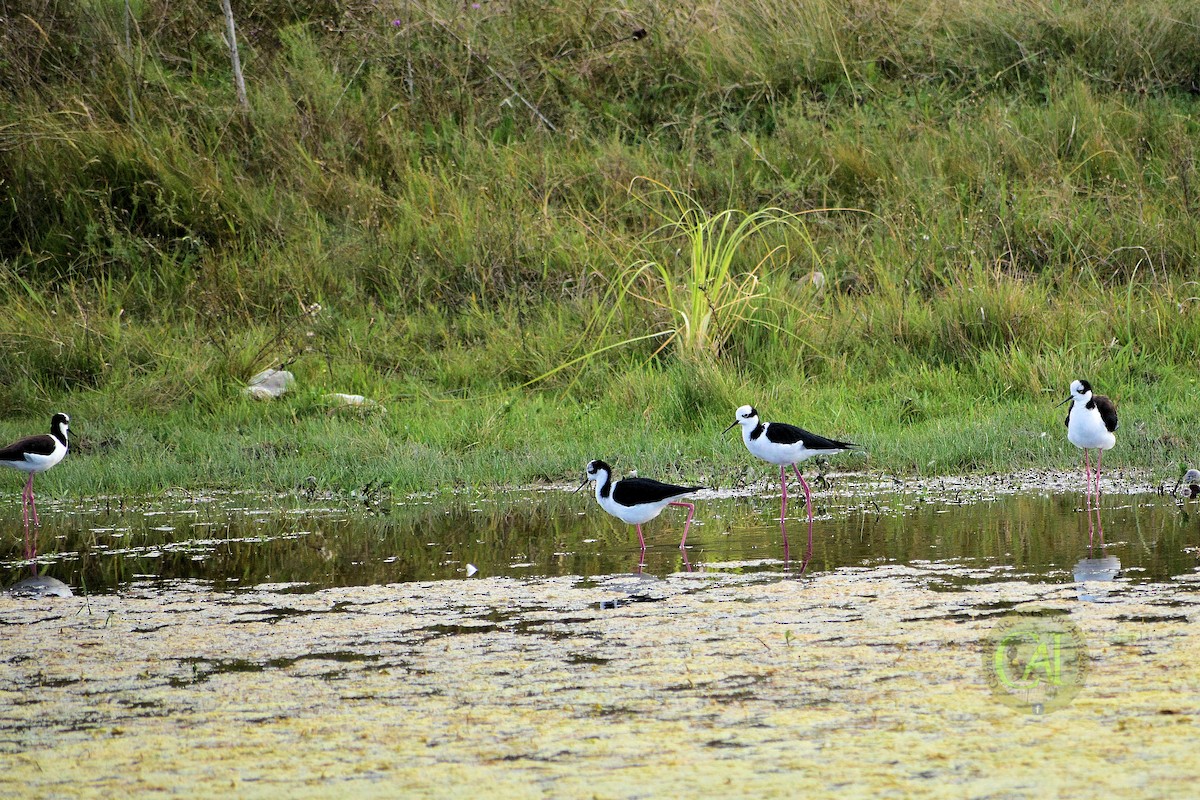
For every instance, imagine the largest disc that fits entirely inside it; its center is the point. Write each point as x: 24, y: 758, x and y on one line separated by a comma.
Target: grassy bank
x: 491, y: 220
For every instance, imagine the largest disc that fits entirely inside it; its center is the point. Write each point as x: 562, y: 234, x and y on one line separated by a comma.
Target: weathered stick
x: 233, y: 54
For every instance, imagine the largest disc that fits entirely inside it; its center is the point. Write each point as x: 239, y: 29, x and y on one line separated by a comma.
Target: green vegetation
x: 492, y: 219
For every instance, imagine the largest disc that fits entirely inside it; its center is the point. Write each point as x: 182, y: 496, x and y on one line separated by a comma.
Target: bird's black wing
x: 782, y: 433
x: 1108, y: 412
x: 632, y: 491
x: 42, y: 445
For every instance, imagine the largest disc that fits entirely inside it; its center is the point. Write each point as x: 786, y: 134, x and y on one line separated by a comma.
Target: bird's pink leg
x: 1087, y: 509
x: 1099, y: 459
x: 1087, y: 494
x: 808, y: 508
x: 783, y: 487
x: 691, y: 511
x: 783, y: 511
x: 804, y: 563
x: 25, y: 517
x: 641, y: 539
x: 37, y: 523
x: 1087, y: 471
x: 807, y: 493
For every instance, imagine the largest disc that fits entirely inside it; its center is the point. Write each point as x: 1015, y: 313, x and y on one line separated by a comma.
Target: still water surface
x: 229, y: 541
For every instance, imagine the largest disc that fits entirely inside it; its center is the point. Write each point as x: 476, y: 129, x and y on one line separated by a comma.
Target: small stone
x: 40, y: 586
x: 270, y: 384
x: 353, y: 401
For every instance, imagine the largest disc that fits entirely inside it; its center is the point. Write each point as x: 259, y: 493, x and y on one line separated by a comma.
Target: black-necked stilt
x: 32, y: 455
x: 1091, y: 421
x: 637, y: 500
x: 783, y: 444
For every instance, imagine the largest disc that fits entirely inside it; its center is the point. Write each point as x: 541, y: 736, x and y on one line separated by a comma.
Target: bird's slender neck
x: 603, y: 486
x: 58, y: 433
x: 750, y: 432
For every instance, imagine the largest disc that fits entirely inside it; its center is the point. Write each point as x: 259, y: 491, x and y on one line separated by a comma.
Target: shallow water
x: 287, y: 646
x: 999, y: 530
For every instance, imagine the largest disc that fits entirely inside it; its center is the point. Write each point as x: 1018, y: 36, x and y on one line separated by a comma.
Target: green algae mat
x: 856, y: 683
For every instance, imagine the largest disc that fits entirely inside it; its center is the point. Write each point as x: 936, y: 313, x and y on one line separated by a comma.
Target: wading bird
x: 637, y: 500
x: 32, y: 455
x: 783, y: 444
x: 1091, y: 422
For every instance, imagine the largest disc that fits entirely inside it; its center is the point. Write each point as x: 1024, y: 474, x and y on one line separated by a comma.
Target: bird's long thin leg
x: 808, y: 507
x: 641, y: 539
x: 1087, y: 470
x: 804, y: 563
x: 807, y: 493
x: 783, y: 488
x: 783, y: 511
x: 1087, y: 509
x: 688, y: 524
x: 37, y: 523
x: 1099, y: 459
x: 1087, y: 495
x: 25, y: 516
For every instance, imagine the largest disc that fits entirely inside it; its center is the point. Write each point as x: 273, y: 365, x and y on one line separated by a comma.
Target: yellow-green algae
x: 855, y: 683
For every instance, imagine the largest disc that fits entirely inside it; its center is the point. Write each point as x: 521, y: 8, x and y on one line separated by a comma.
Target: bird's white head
x: 1081, y: 391
x: 746, y: 416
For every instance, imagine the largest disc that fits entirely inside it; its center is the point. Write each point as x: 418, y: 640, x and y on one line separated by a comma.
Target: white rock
x: 40, y: 586
x: 352, y: 400
x: 270, y: 384
x: 346, y: 399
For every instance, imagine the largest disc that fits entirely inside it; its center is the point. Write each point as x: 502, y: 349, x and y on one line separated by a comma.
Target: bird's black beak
x: 580, y: 486
x: 1064, y: 402
x: 731, y: 427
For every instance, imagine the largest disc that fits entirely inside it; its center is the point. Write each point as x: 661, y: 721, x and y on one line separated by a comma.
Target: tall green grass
x: 451, y: 186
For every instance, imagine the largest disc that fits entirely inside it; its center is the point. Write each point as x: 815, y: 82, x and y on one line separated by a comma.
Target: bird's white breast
x: 1085, y: 428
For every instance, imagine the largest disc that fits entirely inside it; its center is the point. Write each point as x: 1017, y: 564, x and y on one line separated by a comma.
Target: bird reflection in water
x: 1093, y: 573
